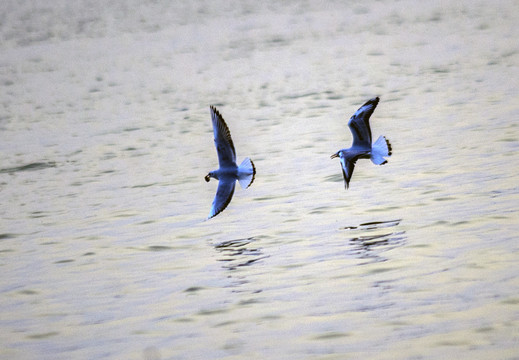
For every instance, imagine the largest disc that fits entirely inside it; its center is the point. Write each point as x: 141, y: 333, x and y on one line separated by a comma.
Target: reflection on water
x: 374, y: 225
x: 239, y: 252
x: 105, y: 257
x: 371, y: 242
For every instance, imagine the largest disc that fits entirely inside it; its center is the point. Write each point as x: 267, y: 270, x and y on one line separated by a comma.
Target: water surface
x: 105, y: 137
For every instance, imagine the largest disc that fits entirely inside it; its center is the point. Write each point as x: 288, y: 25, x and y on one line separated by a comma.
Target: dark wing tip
x: 346, y: 180
x: 223, y: 129
x: 216, y: 112
x: 222, y: 206
x: 374, y: 101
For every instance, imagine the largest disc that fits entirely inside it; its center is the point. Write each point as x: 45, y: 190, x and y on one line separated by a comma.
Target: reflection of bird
x: 362, y: 147
x: 228, y: 172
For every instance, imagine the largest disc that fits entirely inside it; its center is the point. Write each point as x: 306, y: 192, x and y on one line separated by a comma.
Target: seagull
x: 228, y: 172
x: 362, y: 147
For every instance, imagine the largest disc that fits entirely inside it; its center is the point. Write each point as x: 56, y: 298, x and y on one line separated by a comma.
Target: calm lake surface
x: 105, y: 139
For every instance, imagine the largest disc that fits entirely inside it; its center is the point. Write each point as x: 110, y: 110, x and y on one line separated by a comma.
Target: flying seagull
x: 362, y: 147
x: 228, y: 172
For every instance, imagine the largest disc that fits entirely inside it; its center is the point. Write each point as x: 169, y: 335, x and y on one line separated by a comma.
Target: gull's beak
x: 334, y: 156
x: 207, y: 178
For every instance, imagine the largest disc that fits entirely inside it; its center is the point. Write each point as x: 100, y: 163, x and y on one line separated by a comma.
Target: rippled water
x: 105, y: 137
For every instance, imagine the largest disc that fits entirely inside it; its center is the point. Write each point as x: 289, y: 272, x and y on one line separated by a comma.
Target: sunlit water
x: 105, y: 137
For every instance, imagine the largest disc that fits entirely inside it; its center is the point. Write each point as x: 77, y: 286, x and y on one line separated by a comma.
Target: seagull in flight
x: 228, y: 172
x: 362, y: 147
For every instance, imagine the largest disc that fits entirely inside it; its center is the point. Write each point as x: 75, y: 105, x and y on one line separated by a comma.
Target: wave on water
x: 239, y: 252
x: 375, y: 239
x: 28, y: 167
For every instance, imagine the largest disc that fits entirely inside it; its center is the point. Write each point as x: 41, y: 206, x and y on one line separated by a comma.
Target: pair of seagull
x: 229, y: 172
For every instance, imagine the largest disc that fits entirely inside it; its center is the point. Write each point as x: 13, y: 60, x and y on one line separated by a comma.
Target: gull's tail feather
x: 246, y: 173
x: 379, y: 149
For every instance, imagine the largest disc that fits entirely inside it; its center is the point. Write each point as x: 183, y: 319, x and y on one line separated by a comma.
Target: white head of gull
x: 228, y: 172
x: 362, y: 147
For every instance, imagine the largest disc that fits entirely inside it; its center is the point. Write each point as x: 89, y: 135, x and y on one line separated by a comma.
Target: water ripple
x: 239, y: 252
x: 28, y: 167
x: 371, y: 243
x: 374, y: 225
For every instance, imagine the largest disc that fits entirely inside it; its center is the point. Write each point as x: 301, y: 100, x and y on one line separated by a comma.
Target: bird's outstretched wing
x: 359, y: 123
x: 223, y: 196
x: 347, y: 170
x: 222, y: 140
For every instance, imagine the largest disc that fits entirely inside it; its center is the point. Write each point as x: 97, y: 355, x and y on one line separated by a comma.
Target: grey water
x: 105, y: 138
